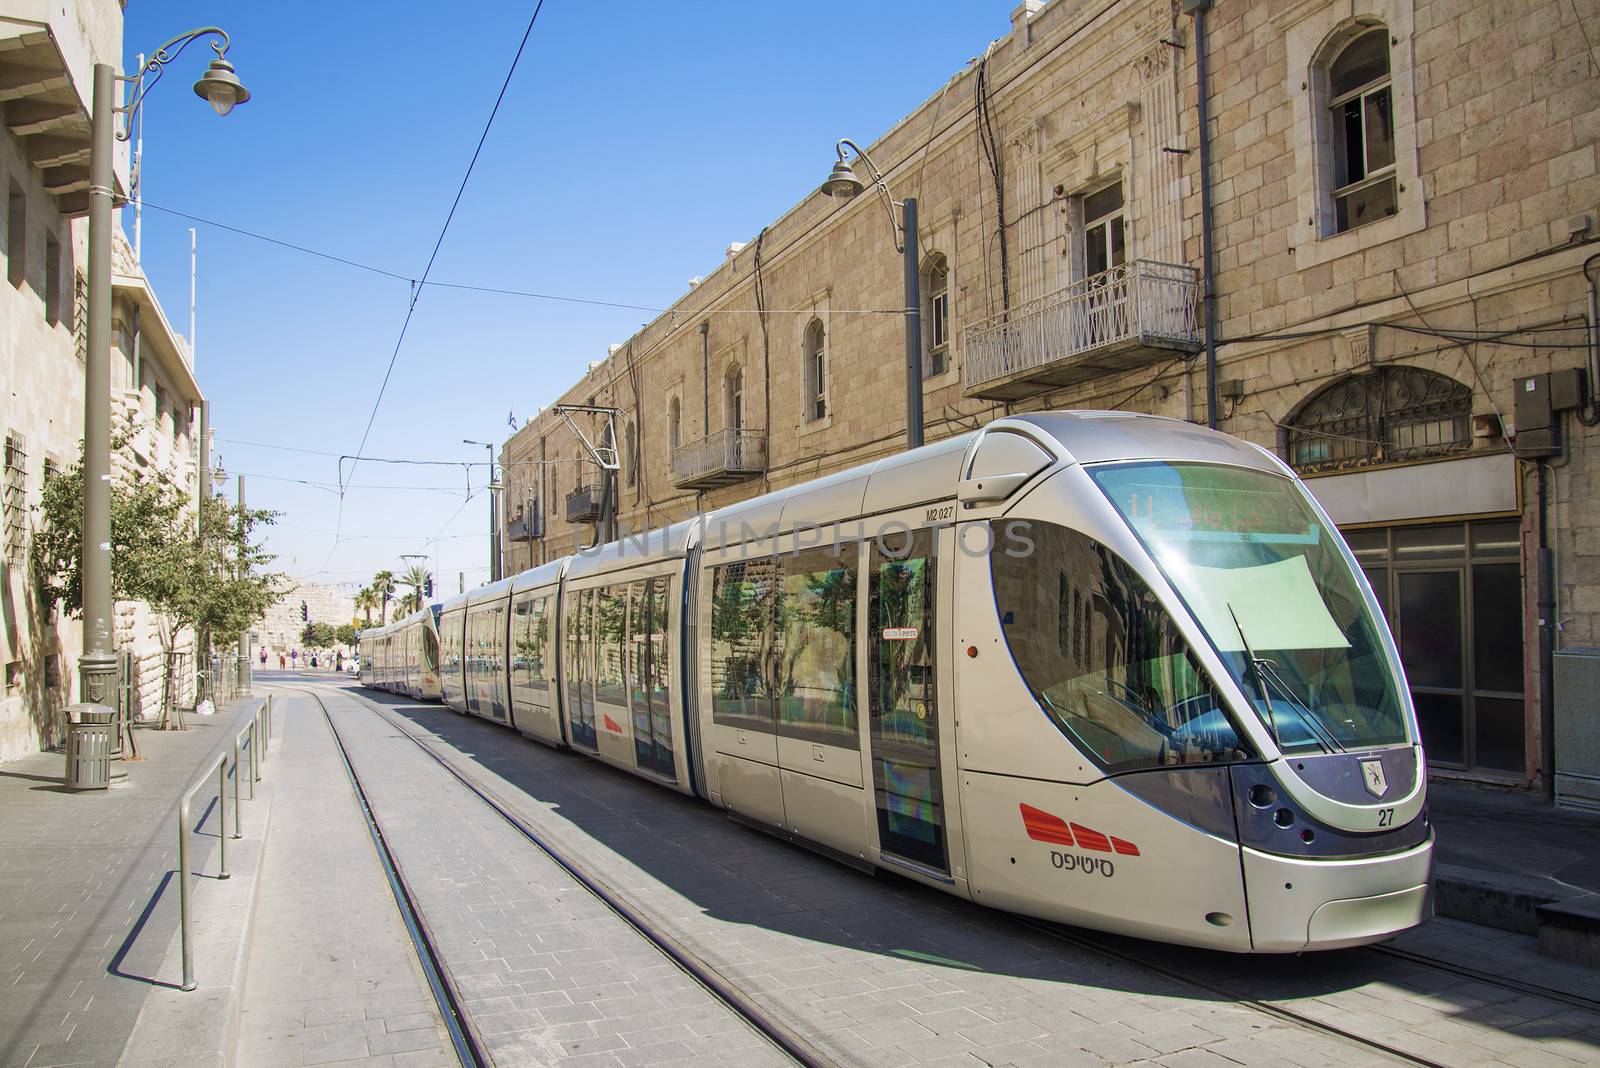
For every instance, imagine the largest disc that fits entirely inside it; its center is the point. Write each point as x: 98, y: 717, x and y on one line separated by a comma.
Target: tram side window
x: 742, y: 599
x: 1101, y: 655
x: 611, y: 607
x: 658, y: 674
x: 815, y: 649
x: 579, y: 666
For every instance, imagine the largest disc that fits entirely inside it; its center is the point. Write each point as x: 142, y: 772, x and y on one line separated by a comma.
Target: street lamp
x: 494, y: 521
x: 97, y: 667
x: 843, y: 184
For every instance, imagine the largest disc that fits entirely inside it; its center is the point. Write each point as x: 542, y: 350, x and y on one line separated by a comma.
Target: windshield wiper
x: 1267, y: 676
x: 1261, y: 678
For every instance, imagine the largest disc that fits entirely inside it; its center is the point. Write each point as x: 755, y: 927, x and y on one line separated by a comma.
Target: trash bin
x: 90, y: 737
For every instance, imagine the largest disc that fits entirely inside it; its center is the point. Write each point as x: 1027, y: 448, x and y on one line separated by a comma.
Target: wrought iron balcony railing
x: 526, y: 527
x: 583, y: 505
x: 1128, y: 317
x: 720, y: 459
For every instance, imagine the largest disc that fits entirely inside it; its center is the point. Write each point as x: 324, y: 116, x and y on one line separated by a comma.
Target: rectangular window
x: 816, y: 627
x: 1104, y: 231
x: 743, y: 595
x: 16, y: 236
x: 580, y: 668
x: 647, y: 674
x: 52, y: 280
x: 819, y: 402
x: 15, y: 501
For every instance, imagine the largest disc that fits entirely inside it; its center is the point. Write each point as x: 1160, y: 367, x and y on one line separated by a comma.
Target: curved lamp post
x: 219, y: 85
x: 843, y: 184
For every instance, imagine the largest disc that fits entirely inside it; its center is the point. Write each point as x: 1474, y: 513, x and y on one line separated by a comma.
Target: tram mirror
x: 972, y: 491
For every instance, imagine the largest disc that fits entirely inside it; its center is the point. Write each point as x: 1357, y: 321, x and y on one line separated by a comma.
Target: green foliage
x: 366, y: 601
x: 347, y: 634
x: 217, y: 584
x: 383, y: 584
x: 319, y: 635
x: 416, y: 577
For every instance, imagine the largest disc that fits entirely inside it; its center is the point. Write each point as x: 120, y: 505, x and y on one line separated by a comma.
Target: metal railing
x: 526, y: 527
x: 229, y: 677
x: 583, y: 505
x: 256, y: 748
x: 1140, y: 303
x: 727, y: 456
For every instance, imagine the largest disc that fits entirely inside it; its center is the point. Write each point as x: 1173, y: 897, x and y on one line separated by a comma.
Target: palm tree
x: 383, y: 585
x: 366, y: 601
x: 407, y: 603
x: 417, y: 578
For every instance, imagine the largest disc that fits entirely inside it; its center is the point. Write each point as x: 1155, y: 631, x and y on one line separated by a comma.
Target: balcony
x: 583, y: 505
x: 526, y: 527
x: 1129, y: 317
x: 723, y: 458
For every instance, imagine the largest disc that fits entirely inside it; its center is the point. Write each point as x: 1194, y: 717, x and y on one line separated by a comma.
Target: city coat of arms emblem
x: 1372, y: 776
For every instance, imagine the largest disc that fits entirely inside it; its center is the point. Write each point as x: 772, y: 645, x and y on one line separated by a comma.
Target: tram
x: 403, y: 657
x: 1107, y: 669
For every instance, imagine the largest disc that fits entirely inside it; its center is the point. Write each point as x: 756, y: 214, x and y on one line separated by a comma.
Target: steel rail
x: 1267, y: 1008
x: 1577, y: 1001
x: 780, y: 1034
x: 463, y: 1037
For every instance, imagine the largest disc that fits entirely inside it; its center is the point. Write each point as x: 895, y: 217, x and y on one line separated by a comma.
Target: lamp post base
x: 97, y: 675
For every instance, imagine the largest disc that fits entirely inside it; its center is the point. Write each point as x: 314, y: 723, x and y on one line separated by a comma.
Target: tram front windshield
x: 1276, y: 595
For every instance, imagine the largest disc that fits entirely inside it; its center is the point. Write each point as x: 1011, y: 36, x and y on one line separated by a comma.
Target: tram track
x: 1564, y: 997
x: 802, y: 1052
x: 470, y: 1049
x: 1222, y: 990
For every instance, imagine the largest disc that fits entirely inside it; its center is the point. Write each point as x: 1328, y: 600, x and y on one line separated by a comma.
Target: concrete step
x: 1565, y: 919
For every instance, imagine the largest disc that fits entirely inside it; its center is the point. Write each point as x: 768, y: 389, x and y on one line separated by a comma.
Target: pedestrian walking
x: 283, y: 661
x: 338, y: 661
x: 294, y: 657
x: 263, y: 660
x: 313, y: 661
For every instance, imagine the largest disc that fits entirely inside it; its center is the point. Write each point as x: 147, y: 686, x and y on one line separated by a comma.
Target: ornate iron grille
x: 1378, y: 417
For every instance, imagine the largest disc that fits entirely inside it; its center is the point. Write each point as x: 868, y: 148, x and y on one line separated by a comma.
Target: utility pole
x: 244, y: 635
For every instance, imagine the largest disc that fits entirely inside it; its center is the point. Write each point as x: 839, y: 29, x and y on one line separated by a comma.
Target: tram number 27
x: 1386, y: 817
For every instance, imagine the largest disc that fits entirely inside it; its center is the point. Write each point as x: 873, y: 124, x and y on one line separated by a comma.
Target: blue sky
x: 363, y: 119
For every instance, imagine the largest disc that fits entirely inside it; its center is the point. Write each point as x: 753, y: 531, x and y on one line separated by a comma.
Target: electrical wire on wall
x: 991, y: 153
x: 766, y: 350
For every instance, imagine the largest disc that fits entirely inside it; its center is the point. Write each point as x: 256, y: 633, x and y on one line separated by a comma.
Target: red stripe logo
x: 1045, y: 827
x: 613, y: 726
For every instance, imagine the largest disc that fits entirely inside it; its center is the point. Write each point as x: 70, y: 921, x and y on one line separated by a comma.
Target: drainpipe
x: 1547, y: 639
x: 705, y: 374
x: 1198, y: 9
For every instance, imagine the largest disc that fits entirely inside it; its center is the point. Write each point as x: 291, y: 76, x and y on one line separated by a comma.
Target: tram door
x: 903, y: 712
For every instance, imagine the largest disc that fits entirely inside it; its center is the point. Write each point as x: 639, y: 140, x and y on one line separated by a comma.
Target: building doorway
x: 1452, y: 593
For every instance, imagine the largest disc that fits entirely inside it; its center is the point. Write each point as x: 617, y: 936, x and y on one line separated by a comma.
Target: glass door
x: 904, y: 721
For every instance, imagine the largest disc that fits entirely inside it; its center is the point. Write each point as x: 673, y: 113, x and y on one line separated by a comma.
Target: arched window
x: 1384, y: 416
x: 674, y: 423
x: 1361, y: 130
x: 936, y: 315
x: 632, y: 457
x: 815, y: 347
x: 733, y: 398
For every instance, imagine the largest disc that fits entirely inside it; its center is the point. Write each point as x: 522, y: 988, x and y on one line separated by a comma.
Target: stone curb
x: 1567, y: 924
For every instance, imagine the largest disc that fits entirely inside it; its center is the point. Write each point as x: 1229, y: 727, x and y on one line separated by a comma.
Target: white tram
x: 1114, y: 670
x: 403, y: 657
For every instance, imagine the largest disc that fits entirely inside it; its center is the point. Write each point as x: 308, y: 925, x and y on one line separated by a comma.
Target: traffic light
x: 427, y: 586
x: 304, y: 613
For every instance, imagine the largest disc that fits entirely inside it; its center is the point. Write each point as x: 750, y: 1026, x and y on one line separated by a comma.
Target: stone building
x: 280, y: 629
x: 46, y: 56
x: 1400, y: 205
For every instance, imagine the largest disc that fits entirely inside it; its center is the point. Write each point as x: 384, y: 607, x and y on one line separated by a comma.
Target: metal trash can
x: 91, y: 734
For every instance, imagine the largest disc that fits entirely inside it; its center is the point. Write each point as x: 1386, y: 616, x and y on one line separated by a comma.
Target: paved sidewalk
x: 332, y: 975
x: 88, y: 893
x: 1514, y: 834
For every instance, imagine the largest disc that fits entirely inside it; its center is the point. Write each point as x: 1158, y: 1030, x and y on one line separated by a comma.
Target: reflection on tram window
x: 579, y: 671
x: 647, y: 675
x: 903, y: 712
x: 1103, y: 657
x: 743, y: 595
x: 816, y: 659
x: 611, y: 605
x: 1268, y: 582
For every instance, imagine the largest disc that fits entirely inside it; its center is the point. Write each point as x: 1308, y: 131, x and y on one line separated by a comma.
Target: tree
x: 407, y: 603
x: 418, y: 578
x: 347, y: 634
x: 214, y: 580
x: 383, y: 585
x: 319, y: 635
x: 366, y: 601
